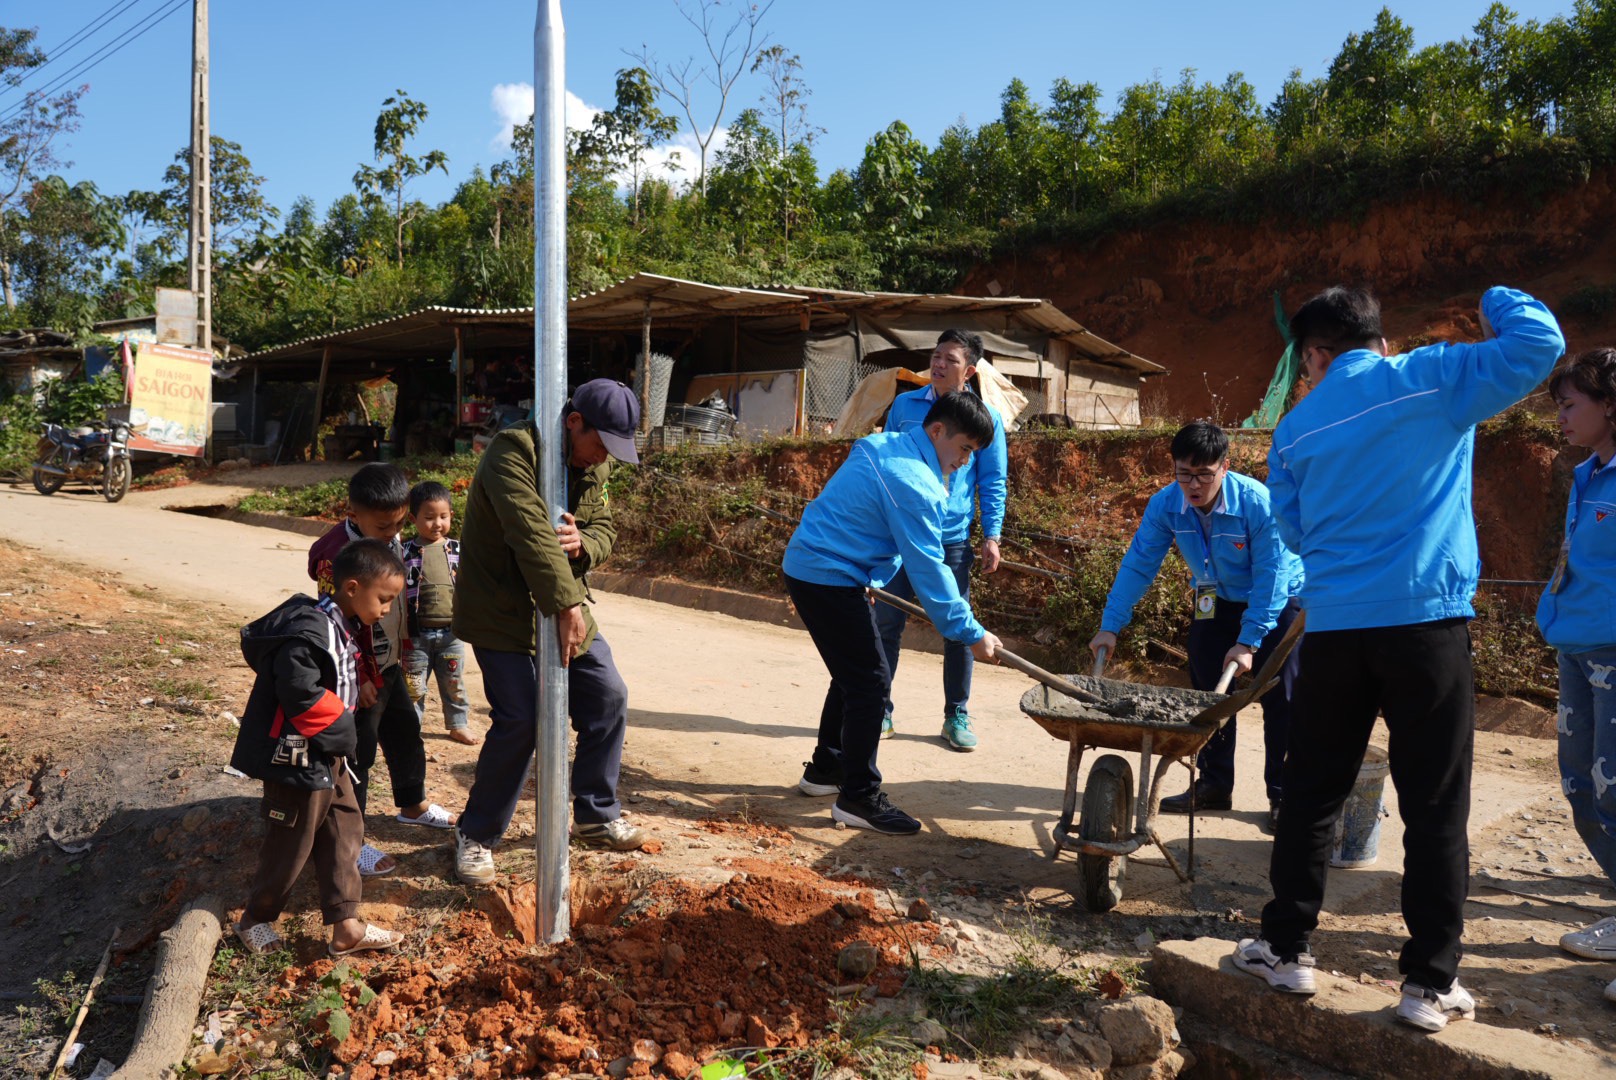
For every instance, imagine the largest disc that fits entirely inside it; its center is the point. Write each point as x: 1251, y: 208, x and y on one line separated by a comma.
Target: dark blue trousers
x: 958, y: 663
x: 598, y: 701
x: 1209, y: 640
x: 839, y: 620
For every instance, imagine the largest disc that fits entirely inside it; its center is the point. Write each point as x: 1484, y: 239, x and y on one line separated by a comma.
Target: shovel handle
x: 1230, y: 670
x: 1001, y: 654
x: 1099, y: 661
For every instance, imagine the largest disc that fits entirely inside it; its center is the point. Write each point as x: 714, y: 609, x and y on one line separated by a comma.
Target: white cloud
x: 512, y: 104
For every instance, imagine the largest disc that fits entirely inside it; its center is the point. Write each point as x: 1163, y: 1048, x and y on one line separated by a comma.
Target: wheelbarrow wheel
x: 1107, y: 801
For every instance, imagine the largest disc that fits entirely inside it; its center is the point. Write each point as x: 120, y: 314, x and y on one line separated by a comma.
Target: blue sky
x: 299, y: 83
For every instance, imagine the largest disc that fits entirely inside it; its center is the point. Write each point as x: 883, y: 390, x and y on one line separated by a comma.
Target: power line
x: 95, y: 59
x: 73, y: 42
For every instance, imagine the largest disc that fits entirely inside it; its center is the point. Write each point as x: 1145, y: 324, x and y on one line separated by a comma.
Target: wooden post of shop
x: 460, y: 378
x: 319, y: 403
x: 645, y: 368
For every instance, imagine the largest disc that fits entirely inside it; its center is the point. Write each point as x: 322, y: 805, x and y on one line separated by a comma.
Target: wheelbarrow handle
x: 1002, y: 654
x: 1230, y: 670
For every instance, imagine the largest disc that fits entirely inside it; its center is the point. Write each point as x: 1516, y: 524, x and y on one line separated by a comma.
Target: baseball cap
x: 613, y: 410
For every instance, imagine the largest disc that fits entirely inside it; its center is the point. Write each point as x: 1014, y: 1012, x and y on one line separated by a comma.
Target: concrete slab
x: 1349, y: 1027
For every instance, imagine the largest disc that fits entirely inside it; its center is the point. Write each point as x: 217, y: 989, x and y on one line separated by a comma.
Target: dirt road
x: 723, y: 714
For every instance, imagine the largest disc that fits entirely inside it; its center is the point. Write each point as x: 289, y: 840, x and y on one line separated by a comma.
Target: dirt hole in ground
x: 659, y: 976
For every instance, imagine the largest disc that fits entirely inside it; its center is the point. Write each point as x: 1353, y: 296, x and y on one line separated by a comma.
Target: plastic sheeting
x: 871, y: 399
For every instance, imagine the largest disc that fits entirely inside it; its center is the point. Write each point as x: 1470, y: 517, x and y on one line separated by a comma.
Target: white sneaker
x: 1610, y: 990
x: 1596, y: 942
x: 1292, y: 974
x: 474, y: 861
x: 1429, y: 1010
x: 616, y: 834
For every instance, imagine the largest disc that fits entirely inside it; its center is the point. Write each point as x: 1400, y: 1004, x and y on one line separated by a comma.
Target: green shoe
x: 957, y: 731
x: 886, y: 726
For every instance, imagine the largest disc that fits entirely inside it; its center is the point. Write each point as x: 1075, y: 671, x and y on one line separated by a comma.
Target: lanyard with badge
x: 1206, y: 586
x: 1557, y: 579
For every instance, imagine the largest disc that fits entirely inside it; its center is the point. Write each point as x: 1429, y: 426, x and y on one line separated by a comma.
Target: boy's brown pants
x: 297, y: 823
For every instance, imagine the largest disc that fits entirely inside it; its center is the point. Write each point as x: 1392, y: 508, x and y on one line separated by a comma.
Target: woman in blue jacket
x: 1577, y: 615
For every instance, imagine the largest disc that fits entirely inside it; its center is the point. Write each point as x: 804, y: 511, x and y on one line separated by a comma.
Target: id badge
x: 1206, y: 599
x: 1558, y: 579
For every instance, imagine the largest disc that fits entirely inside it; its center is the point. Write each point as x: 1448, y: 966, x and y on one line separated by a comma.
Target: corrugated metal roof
x: 675, y: 301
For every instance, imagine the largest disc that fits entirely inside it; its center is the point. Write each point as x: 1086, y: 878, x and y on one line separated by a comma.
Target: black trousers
x: 1209, y: 641
x: 1419, y: 677
x: 841, y: 622
x: 392, y: 723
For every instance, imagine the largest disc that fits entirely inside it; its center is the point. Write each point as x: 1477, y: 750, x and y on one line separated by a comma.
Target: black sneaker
x: 1205, y: 799
x: 816, y: 781
x: 876, y: 814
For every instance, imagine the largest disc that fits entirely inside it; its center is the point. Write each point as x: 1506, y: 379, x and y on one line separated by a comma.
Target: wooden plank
x: 319, y: 401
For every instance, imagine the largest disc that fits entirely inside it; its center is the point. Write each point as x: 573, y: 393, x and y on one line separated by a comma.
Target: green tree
x: 401, y: 117
x: 28, y: 142
x: 66, y: 241
x: 632, y: 128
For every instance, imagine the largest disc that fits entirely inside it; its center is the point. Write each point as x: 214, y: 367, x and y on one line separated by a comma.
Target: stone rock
x: 928, y: 1032
x: 920, y: 911
x: 673, y: 958
x: 677, y: 1064
x: 1167, y: 1067
x: 857, y: 960
x: 970, y: 933
x: 758, y: 1033
x: 386, y: 1057
x: 1033, y: 1069
x: 647, y: 1051
x: 1139, y: 1029
x: 1084, y: 1048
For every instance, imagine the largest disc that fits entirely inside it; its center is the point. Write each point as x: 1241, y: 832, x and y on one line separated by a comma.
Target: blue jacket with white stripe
x: 1581, y: 617
x: 982, y: 478
x: 885, y: 504
x: 1241, y: 551
x: 1370, y: 473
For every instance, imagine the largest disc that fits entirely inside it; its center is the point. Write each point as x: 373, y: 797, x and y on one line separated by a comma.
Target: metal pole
x: 549, y: 398
x: 201, y: 180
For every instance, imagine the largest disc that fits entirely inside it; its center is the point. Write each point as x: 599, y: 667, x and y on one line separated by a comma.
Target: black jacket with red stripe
x: 304, y: 659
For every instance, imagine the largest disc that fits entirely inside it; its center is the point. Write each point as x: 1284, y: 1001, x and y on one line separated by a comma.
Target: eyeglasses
x: 1205, y: 476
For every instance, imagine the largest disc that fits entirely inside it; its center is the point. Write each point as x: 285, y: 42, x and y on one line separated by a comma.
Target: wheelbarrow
x: 1164, y: 723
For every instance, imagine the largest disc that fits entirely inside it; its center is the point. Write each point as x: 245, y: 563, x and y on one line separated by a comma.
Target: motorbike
x: 97, y: 457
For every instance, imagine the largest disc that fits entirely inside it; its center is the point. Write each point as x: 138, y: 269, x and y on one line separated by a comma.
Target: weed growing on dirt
x: 987, y: 1012
x: 328, y: 1005
x: 1590, y: 300
x: 855, y: 1039
x: 328, y: 499
x: 61, y: 997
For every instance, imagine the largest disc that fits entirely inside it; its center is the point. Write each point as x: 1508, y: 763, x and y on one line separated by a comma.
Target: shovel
x: 1001, y: 654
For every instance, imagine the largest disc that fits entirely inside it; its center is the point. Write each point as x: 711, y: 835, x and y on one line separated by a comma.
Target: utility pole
x: 554, y: 921
x: 201, y: 246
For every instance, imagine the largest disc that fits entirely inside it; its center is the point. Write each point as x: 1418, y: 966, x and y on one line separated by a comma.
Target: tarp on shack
x: 873, y: 396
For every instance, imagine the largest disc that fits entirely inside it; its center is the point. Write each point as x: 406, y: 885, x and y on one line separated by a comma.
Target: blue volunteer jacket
x: 885, y: 503
x: 1581, y: 617
x: 984, y: 475
x: 1370, y: 473
x: 1243, y: 554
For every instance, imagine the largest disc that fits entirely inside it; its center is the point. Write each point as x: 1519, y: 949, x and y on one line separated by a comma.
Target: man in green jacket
x: 512, y: 560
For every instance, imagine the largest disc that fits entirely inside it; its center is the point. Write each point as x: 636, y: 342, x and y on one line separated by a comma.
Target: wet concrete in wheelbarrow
x: 1124, y: 701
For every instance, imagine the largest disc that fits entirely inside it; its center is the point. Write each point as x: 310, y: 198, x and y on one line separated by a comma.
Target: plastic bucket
x: 1357, y: 832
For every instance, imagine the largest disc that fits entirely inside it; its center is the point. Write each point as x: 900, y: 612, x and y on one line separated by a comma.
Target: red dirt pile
x: 683, y: 974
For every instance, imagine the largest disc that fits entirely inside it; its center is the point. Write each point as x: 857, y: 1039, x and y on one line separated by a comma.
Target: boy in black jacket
x: 298, y: 736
